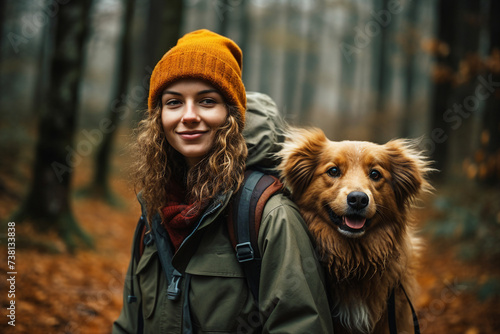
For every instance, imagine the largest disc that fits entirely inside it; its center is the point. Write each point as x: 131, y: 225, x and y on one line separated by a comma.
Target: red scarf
x: 179, y: 218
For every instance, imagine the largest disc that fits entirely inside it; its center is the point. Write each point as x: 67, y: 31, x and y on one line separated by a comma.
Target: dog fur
x: 366, y: 240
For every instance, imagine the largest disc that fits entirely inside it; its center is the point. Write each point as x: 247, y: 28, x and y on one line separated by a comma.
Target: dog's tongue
x: 355, y: 222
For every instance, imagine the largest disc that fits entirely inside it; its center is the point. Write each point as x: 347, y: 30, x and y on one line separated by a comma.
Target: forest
x: 74, y: 80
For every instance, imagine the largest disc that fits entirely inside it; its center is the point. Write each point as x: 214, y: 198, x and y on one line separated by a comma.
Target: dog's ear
x: 409, y: 169
x: 300, y: 158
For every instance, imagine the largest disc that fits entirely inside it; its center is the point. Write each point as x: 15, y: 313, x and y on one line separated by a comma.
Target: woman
x: 192, y: 160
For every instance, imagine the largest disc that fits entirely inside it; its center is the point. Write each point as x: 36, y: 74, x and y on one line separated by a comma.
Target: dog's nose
x: 357, y: 200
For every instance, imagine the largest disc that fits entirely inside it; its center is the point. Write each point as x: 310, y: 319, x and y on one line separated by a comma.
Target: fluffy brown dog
x: 355, y: 198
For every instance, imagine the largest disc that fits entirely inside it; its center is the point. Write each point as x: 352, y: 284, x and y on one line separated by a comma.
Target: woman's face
x: 192, y: 111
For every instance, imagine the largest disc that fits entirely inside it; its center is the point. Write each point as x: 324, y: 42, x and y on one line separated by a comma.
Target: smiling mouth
x: 191, y: 135
x: 350, y: 225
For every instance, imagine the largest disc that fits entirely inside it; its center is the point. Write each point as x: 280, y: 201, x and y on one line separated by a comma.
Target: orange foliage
x: 81, y: 293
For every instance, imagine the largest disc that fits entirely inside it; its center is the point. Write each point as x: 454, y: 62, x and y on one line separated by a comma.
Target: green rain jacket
x: 214, y: 295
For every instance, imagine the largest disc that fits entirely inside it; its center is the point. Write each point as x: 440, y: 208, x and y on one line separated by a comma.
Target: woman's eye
x: 333, y: 172
x: 172, y: 103
x: 375, y: 175
x: 208, y: 102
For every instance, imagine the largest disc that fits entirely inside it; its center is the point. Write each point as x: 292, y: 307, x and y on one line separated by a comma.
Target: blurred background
x: 74, y: 79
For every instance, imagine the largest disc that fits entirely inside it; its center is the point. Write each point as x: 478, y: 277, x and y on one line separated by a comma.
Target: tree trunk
x: 164, y: 29
x: 461, y: 133
x: 267, y: 63
x: 409, y: 51
x: 48, y: 202
x: 117, y: 110
x: 311, y: 62
x: 3, y: 9
x: 443, y: 75
x: 223, y: 9
x: 489, y: 168
x: 382, y: 67
x: 292, y: 57
x: 245, y: 27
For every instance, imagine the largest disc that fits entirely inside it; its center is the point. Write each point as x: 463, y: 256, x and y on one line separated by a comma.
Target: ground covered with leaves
x: 57, y: 292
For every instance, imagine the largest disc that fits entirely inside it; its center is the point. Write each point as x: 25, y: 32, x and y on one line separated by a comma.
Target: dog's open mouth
x: 354, y: 222
x: 354, y: 225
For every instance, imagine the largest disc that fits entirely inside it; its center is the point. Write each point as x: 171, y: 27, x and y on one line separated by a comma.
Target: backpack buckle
x: 244, y: 252
x: 174, y: 290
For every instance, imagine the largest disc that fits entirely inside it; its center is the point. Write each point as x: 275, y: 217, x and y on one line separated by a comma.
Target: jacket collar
x: 214, y: 209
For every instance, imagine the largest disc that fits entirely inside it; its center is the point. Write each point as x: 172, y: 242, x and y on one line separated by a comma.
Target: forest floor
x: 57, y: 292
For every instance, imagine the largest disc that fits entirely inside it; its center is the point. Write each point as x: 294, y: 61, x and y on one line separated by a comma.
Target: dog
x: 356, y: 198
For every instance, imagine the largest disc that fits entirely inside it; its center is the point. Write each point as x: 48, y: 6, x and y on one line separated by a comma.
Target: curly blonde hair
x: 156, y: 163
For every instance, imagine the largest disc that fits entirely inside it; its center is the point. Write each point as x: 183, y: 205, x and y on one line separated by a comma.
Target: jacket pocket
x: 147, y: 272
x: 218, y: 294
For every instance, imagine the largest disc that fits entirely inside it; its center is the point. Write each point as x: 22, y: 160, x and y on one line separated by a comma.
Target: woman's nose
x: 190, y: 113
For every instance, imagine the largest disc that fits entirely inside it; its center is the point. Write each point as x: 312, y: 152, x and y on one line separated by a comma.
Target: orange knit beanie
x: 204, y: 55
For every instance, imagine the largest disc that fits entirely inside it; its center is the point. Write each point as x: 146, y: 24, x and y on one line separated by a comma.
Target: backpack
x: 243, y: 225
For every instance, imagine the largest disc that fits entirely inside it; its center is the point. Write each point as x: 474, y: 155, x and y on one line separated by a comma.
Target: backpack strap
x: 146, y: 235
x: 244, y: 223
x: 391, y: 311
x: 416, y: 326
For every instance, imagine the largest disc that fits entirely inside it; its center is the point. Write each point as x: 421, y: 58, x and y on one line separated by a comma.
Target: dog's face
x: 353, y: 186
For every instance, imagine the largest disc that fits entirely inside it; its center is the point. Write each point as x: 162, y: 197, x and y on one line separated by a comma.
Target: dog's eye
x: 334, y: 172
x: 375, y: 175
